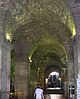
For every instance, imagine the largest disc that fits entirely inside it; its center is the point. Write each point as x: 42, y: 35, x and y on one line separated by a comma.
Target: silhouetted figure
x: 54, y: 80
x: 50, y: 81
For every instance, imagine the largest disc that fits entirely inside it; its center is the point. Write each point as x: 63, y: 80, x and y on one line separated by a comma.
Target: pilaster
x: 70, y: 66
x: 1, y: 39
x: 5, y: 70
x: 70, y: 69
x: 21, y: 77
x: 76, y: 45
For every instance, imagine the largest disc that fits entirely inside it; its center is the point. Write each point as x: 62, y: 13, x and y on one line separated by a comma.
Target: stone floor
x: 56, y: 96
x: 53, y: 96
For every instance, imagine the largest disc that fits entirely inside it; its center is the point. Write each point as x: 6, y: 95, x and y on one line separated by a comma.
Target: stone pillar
x: 4, y: 55
x: 1, y: 38
x: 5, y: 70
x: 76, y: 43
x: 70, y: 68
x: 21, y: 78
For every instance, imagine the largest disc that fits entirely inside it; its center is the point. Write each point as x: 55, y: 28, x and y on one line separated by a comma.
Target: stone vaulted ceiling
x: 41, y: 26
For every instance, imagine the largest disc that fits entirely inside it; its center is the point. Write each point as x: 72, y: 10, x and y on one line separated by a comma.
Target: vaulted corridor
x: 40, y: 44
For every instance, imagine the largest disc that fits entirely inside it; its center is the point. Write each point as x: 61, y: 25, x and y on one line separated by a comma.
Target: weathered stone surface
x: 39, y: 30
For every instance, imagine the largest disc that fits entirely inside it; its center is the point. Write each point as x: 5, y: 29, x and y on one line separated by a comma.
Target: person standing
x: 38, y: 94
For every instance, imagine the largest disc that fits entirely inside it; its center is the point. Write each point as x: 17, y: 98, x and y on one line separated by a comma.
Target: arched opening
x: 53, y: 80
x: 40, y: 31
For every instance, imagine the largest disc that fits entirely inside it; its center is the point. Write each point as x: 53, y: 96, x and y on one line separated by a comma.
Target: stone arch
x: 18, y: 9
x: 53, y: 68
x: 22, y: 14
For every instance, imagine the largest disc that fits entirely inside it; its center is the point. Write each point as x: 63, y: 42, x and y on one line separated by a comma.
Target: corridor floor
x: 53, y: 96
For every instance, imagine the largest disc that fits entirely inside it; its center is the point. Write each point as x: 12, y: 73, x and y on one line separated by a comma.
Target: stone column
x: 4, y: 55
x: 70, y: 68
x: 21, y: 76
x: 75, y: 9
x: 76, y: 43
x: 5, y: 70
x: 1, y: 38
